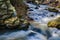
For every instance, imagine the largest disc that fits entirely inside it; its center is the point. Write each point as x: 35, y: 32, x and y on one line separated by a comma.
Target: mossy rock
x: 11, y: 21
x: 24, y: 25
x: 58, y: 6
x: 54, y: 23
x: 16, y: 23
x: 52, y: 10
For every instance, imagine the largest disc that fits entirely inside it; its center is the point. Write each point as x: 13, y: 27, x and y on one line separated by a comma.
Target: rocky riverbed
x: 38, y: 30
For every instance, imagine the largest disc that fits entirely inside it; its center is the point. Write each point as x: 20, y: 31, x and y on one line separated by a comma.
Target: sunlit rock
x: 54, y: 23
x: 58, y: 6
x: 14, y: 21
x: 6, y: 12
x: 9, y: 17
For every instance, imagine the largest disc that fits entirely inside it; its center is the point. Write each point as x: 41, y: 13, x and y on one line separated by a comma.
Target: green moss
x: 54, y: 23
x: 58, y: 6
x: 52, y: 10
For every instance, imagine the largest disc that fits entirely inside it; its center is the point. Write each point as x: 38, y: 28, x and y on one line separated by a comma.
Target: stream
x: 38, y: 29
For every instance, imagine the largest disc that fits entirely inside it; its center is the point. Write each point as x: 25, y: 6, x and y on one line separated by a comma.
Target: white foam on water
x: 22, y: 35
x: 54, y: 32
x: 44, y: 18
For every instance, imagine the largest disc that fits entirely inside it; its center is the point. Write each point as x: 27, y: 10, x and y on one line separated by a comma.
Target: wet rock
x: 24, y: 25
x: 52, y: 10
x: 36, y: 8
x: 30, y: 9
x: 29, y: 1
x: 52, y: 15
x: 31, y: 34
x: 54, y: 23
x: 30, y: 19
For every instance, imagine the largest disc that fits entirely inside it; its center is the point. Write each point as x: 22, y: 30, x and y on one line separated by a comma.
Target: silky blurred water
x: 36, y: 32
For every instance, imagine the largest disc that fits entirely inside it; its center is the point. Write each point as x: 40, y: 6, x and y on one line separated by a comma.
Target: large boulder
x: 20, y: 6
x: 9, y: 18
x: 6, y: 12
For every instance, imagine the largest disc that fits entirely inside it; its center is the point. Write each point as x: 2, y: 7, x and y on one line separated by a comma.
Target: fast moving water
x: 38, y: 29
